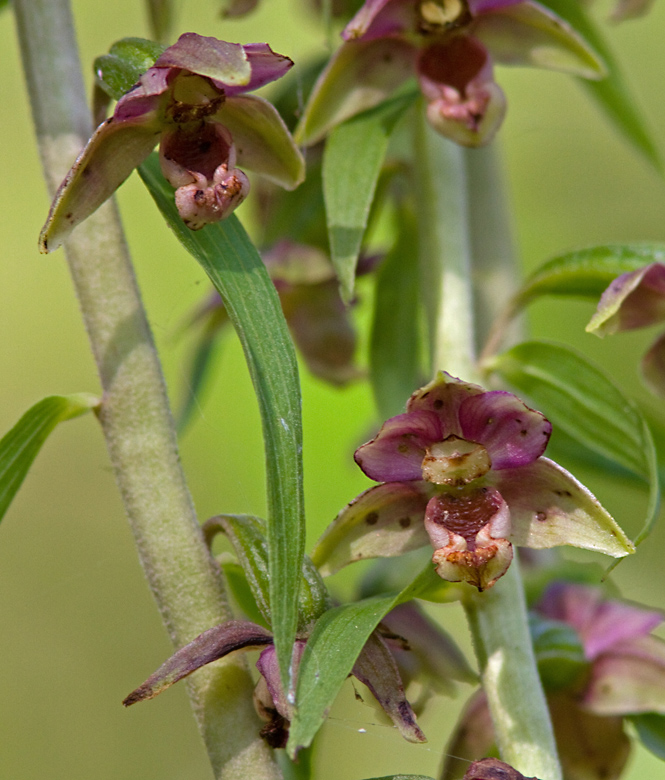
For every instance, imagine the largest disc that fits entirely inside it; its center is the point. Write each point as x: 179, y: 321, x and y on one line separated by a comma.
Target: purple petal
x: 225, y: 63
x: 443, y: 396
x: 600, y: 623
x: 114, y: 150
x: 380, y: 19
x: 513, y: 434
x: 630, y: 9
x: 144, y: 97
x: 549, y: 507
x: 396, y: 453
x: 527, y: 33
x: 263, y: 143
x: 209, y: 646
x: 632, y: 300
x: 267, y: 66
x: 376, y: 668
x: 383, y: 522
x: 269, y: 668
x: 360, y: 75
x: 629, y: 679
x: 653, y: 367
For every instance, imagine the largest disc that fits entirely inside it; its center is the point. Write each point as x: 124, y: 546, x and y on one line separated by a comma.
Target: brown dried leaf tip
x: 493, y: 769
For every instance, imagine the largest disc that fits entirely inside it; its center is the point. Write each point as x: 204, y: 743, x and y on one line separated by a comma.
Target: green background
x: 78, y: 629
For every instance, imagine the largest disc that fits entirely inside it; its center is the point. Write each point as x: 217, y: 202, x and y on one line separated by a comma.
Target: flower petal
x: 376, y: 668
x: 383, y: 522
x: 513, y: 434
x: 444, y: 395
x: 633, y: 300
x: 527, y: 33
x: 359, y: 76
x: 209, y: 646
x: 396, y: 453
x: 114, y: 150
x: 226, y: 63
x: 269, y: 668
x: 653, y: 367
x: 290, y: 263
x: 379, y: 19
x: 267, y: 66
x: 263, y: 143
x: 549, y: 507
x: 601, y: 623
x: 629, y: 679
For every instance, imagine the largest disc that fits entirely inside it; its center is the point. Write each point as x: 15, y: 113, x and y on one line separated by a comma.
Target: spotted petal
x: 225, y: 63
x: 527, y: 33
x: 379, y: 19
x: 263, y: 143
x: 512, y: 434
x: 549, y: 507
x: 114, y: 150
x: 383, y: 522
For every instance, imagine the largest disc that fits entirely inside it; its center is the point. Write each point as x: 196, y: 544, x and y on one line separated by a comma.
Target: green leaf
x: 402, y: 777
x: 335, y: 643
x: 21, y: 445
x: 231, y: 261
x: 586, y: 272
x: 578, y: 397
x: 351, y: 165
x: 611, y: 93
x: 242, y: 592
x: 651, y: 731
x: 127, y: 60
x: 559, y: 652
x: 395, y: 337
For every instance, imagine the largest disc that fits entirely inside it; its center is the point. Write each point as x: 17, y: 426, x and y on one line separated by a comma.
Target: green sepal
x: 231, y: 261
x: 611, y: 93
x: 21, y: 445
x: 352, y: 161
x: 128, y: 59
x: 334, y: 644
x: 650, y: 729
x: 578, y: 397
x: 559, y: 652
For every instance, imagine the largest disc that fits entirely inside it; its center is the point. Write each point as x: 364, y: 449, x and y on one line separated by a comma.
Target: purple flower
x: 622, y: 673
x: 451, y: 46
x: 193, y: 103
x: 462, y: 470
x: 375, y: 668
x: 636, y: 300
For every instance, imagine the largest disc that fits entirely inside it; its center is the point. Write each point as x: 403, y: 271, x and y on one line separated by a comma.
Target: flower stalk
x: 134, y: 415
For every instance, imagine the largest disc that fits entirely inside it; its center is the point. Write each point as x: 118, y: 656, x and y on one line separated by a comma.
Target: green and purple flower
x: 463, y: 470
x: 193, y: 103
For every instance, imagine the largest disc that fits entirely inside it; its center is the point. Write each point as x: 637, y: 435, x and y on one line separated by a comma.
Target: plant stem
x: 458, y: 215
x: 135, y: 415
x: 444, y: 248
x: 498, y: 623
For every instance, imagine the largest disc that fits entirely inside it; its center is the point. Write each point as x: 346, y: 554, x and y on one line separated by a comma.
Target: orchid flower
x: 599, y: 663
x: 451, y: 47
x: 193, y: 103
x: 636, y: 300
x: 463, y: 470
x: 375, y: 667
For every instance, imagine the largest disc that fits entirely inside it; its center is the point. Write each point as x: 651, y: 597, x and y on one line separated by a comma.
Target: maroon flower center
x: 464, y: 513
x: 454, y: 62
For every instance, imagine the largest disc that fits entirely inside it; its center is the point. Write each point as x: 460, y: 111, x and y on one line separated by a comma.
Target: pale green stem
x: 457, y: 215
x: 500, y: 631
x: 445, y: 250
x: 134, y: 414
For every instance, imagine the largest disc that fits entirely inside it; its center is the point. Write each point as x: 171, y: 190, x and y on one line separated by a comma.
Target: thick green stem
x: 135, y: 415
x: 500, y: 631
x: 445, y: 250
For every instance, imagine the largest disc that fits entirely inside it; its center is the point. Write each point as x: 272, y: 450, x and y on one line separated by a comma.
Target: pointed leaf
x: 651, y: 732
x: 21, y: 445
x: 586, y: 272
x: 332, y: 649
x: 235, y: 268
x: 351, y: 164
x: 611, y: 93
x: 127, y: 60
x: 578, y: 397
x: 262, y: 140
x: 395, y: 338
x: 242, y: 593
